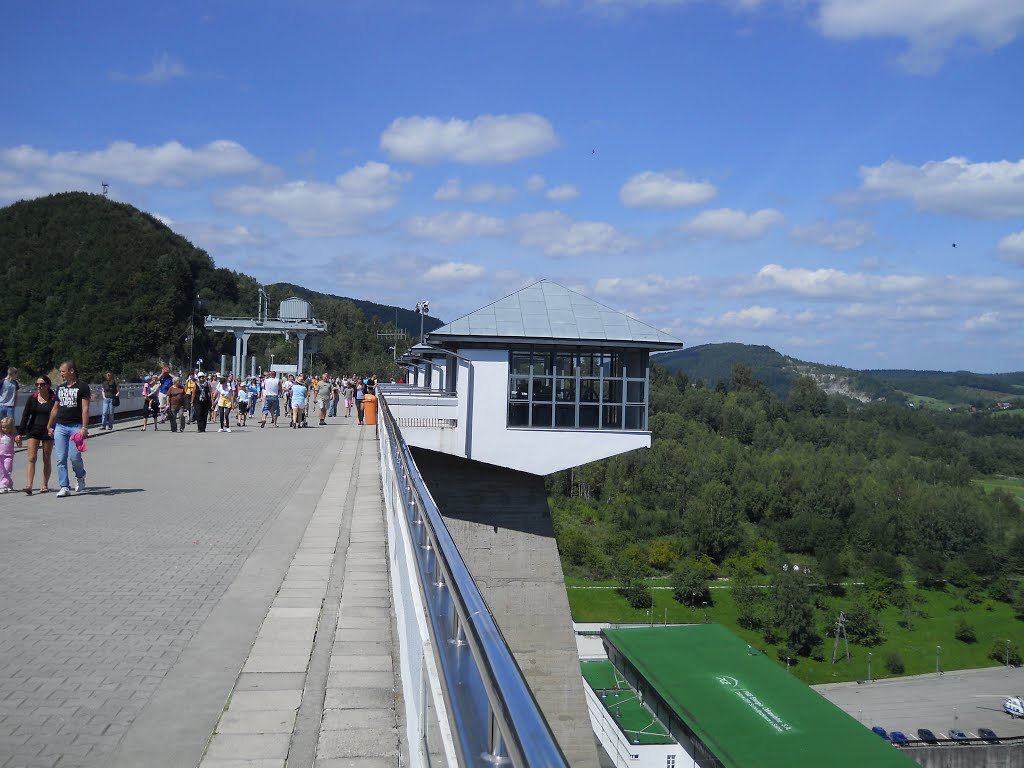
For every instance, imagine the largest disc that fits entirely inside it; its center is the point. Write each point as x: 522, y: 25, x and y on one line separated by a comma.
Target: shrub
x: 1000, y: 653
x: 689, y: 585
x: 965, y: 632
x: 638, y: 594
x: 894, y: 663
x: 863, y: 625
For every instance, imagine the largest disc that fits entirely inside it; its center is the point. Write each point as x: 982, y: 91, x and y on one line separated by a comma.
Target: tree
x: 712, y: 521
x: 965, y: 632
x: 660, y: 554
x: 689, y: 584
x: 748, y: 595
x: 863, y: 625
x: 794, y: 613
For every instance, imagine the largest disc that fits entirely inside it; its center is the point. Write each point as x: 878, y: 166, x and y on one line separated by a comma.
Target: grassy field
x: 1012, y: 485
x: 934, y: 625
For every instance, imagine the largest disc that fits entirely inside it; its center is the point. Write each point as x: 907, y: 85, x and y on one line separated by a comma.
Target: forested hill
x: 713, y: 363
x: 115, y: 288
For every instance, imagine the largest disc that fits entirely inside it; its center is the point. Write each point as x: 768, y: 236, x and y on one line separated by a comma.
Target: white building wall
x: 624, y: 754
x: 537, y: 451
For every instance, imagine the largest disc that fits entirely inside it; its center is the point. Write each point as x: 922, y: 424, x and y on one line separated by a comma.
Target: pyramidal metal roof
x: 547, y: 311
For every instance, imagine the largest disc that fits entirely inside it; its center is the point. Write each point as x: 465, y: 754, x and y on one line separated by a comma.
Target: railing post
x: 458, y: 637
x: 496, y: 753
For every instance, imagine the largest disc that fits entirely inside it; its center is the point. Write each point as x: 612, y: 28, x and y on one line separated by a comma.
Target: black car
x: 988, y: 735
x: 957, y: 735
x: 926, y: 736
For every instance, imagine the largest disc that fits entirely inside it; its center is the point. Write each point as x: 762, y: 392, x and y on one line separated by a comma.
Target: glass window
x: 542, y: 389
x: 580, y: 388
x: 635, y: 392
x: 565, y: 415
x: 542, y: 415
x: 520, y: 363
x: 520, y: 389
x: 518, y: 414
x: 612, y: 417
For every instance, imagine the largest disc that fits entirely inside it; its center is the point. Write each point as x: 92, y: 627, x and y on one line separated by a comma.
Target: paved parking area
x: 968, y: 700
x: 143, y: 597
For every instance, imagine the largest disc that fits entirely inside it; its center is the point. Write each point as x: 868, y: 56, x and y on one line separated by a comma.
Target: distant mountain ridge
x: 714, y: 362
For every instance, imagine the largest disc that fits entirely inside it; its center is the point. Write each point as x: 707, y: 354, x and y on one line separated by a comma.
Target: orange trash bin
x: 370, y: 409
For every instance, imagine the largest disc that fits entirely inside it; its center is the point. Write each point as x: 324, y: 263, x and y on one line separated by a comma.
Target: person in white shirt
x: 271, y: 399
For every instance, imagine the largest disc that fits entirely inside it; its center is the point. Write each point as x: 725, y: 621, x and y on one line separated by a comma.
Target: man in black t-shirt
x: 69, y: 428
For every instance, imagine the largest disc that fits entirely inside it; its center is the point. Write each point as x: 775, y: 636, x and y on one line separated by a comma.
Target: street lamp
x: 869, y: 666
x: 705, y: 611
x: 1007, y: 654
x: 938, y: 653
x: 787, y: 663
x: 422, y: 309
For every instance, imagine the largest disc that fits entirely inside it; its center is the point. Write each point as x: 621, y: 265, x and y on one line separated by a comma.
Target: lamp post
x: 1007, y: 654
x: 787, y: 663
x: 705, y: 611
x: 422, y: 309
x: 938, y: 653
x: 869, y: 666
x: 192, y: 334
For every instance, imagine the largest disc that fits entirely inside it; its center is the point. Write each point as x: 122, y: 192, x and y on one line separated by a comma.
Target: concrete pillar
x: 240, y: 360
x: 238, y: 354
x: 500, y: 521
x: 302, y: 349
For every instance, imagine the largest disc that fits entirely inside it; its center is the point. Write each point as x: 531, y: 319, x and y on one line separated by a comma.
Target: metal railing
x: 490, y: 711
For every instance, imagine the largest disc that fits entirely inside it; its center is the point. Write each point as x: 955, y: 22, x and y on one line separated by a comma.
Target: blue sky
x: 784, y: 172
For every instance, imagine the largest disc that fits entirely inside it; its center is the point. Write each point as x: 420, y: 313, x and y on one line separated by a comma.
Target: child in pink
x: 6, y: 454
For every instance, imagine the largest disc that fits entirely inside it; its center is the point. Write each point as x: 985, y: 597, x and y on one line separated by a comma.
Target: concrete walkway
x: 214, y: 600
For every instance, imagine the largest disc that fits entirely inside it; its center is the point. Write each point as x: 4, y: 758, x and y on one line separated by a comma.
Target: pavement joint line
x: 292, y: 637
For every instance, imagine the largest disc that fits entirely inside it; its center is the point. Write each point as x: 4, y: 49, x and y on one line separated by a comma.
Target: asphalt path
x: 966, y: 699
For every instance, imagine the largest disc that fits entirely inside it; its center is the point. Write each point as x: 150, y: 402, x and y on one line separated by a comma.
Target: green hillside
x: 713, y: 363
x: 116, y: 289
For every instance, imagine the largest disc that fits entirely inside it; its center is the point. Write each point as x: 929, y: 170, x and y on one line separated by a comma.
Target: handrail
x: 494, y: 714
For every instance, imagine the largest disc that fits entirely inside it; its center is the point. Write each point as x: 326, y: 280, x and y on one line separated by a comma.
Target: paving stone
x: 261, y: 721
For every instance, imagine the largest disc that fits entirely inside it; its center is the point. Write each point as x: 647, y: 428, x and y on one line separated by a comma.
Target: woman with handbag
x: 111, y: 394
x: 33, y: 428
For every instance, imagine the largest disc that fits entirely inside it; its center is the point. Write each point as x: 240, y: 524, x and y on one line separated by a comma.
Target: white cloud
x: 562, y: 192
x: 1012, y: 246
x: 671, y: 189
x: 646, y: 286
x: 979, y: 190
x: 731, y: 224
x: 453, y: 272
x: 315, y: 209
x: 749, y: 317
x: 167, y: 165
x: 454, y: 226
x: 487, y: 139
x: 986, y: 321
x: 167, y: 221
x: 165, y: 67
x: 558, y: 235
x: 477, y: 193
x: 917, y: 290
x: 931, y: 27
x: 535, y: 183
x: 214, y: 235
x: 842, y: 235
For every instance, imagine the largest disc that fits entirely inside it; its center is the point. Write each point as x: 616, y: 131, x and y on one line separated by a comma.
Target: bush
x: 863, y: 625
x: 689, y: 585
x: 638, y: 594
x: 965, y: 632
x: 894, y: 663
x: 999, y: 653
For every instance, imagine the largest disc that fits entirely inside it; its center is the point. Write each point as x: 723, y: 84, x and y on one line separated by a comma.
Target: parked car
x: 880, y: 731
x: 988, y: 735
x: 899, y: 738
x: 926, y: 736
x: 957, y: 735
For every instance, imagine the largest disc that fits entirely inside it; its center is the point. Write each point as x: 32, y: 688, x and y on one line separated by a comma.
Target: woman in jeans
x: 68, y: 419
x: 109, y: 392
x: 225, y: 402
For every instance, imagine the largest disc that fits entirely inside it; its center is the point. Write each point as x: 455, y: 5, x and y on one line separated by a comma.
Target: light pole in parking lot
x: 869, y: 667
x: 1007, y: 654
x: 938, y: 653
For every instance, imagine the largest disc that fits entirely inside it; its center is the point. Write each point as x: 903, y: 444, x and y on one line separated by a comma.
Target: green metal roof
x: 547, y: 311
x: 747, y: 710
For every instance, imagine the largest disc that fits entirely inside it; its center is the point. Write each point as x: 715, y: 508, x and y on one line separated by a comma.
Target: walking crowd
x: 57, y: 422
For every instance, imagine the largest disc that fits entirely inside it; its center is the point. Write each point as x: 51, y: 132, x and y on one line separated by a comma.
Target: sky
x: 842, y: 180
